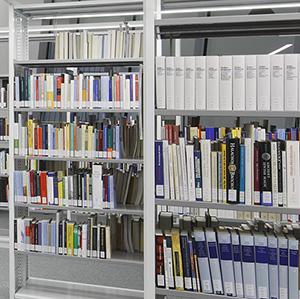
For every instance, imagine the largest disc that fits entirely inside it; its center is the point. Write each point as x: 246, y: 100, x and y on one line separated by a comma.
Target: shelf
x: 73, y: 159
x: 77, y: 110
x: 4, y: 174
x: 117, y: 257
x: 224, y: 206
x: 229, y: 113
x: 80, y: 62
x: 37, y: 288
x: 126, y: 210
x: 3, y: 206
x: 229, y: 26
x: 3, y: 112
x: 192, y: 295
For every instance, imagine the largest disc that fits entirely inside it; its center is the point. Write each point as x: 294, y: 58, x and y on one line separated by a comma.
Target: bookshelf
x: 175, y: 23
x: 125, y: 267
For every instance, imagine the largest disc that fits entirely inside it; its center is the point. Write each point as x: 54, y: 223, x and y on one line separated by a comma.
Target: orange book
x: 59, y: 80
x: 43, y: 187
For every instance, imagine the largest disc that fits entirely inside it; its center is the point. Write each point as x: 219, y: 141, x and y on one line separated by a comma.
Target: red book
x: 118, y: 88
x: 35, y: 139
x: 40, y: 139
x: 37, y: 90
x: 100, y: 140
x: 159, y: 261
x: 256, y: 173
x: 31, y: 180
x: 137, y: 90
x: 43, y: 187
x: 176, y: 134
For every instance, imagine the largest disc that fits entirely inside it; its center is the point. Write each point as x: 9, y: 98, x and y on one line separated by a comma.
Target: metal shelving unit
x: 123, y: 210
x: 21, y: 284
x: 79, y: 62
x: 74, y: 159
x: 77, y: 110
x: 224, y: 206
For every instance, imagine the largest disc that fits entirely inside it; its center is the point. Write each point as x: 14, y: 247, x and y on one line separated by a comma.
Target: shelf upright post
x: 149, y: 127
x: 11, y: 165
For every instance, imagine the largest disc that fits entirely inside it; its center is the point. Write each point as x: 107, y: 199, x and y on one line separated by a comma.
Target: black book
x: 102, y: 242
x: 265, y: 173
x: 280, y: 149
x: 233, y: 170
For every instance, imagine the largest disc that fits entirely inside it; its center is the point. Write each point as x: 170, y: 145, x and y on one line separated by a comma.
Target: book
x: 291, y: 82
x: 212, y: 82
x: 238, y: 82
x: 160, y: 82
x: 251, y: 82
x: 189, y: 83
x: 277, y: 82
x: 180, y: 83
x: 263, y: 83
x: 200, y: 78
x: 226, y: 71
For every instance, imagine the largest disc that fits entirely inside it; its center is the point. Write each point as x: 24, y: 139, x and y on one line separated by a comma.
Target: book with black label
x: 233, y: 175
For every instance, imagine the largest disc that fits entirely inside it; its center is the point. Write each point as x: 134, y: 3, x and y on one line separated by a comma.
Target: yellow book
x: 236, y: 133
x: 193, y: 133
x: 60, y: 188
x: 90, y: 140
x: 30, y: 129
x: 224, y: 171
x: 70, y: 238
x: 50, y: 92
x: 222, y: 132
x: 177, y: 259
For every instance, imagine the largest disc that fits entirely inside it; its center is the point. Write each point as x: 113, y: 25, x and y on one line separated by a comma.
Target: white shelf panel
x: 224, y: 206
x: 77, y: 110
x: 192, y: 295
x: 125, y: 210
x: 229, y: 113
x: 79, y: 62
x: 37, y: 288
x: 73, y: 159
x: 117, y: 257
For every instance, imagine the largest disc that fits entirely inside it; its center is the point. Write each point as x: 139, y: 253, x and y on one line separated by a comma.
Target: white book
x: 293, y: 177
x: 171, y: 173
x: 206, y: 169
x: 263, y: 83
x: 251, y: 82
x: 274, y: 171
x: 225, y: 82
x: 190, y: 171
x: 237, y: 263
x: 179, y: 83
x: 273, y: 264
x: 238, y: 82
x: 277, y: 82
x: 248, y: 264
x: 284, y: 179
x: 283, y: 266
x: 261, y: 264
x: 226, y: 258
x: 203, y: 261
x: 170, y: 81
x: 137, y: 44
x: 180, y: 177
x: 248, y: 170
x: 200, y: 77
x: 214, y: 260
x: 189, y: 83
x: 184, y: 168
x: 212, y: 82
x: 166, y: 169
x: 214, y: 176
x: 293, y: 265
x: 291, y: 82
x: 161, y: 82
x: 175, y: 169
x: 97, y: 186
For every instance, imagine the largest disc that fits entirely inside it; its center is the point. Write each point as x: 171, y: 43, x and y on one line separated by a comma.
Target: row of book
x: 80, y: 189
x: 48, y: 90
x: 4, y: 128
x: 109, y: 138
x: 254, y: 260
x: 92, y: 45
x: 251, y: 82
x: 237, y: 165
x: 63, y: 237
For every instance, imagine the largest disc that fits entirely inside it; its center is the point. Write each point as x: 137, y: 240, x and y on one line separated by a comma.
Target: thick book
x: 226, y: 70
x: 238, y: 82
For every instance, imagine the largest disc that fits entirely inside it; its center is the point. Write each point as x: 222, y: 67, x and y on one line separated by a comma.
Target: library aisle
x: 149, y: 149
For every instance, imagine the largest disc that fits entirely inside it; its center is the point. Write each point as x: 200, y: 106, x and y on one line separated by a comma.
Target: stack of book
x: 91, y: 45
x: 248, y: 165
x: 48, y: 90
x: 251, y: 82
x: 63, y: 237
x: 109, y: 139
x: 248, y: 261
x: 85, y: 188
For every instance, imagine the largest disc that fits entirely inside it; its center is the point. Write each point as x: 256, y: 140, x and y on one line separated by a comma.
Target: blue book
x: 117, y: 142
x: 159, y: 169
x: 53, y: 237
x: 131, y: 88
x: 242, y: 173
x: 105, y: 140
x: 210, y: 133
x: 198, y: 174
x: 186, y: 262
x: 95, y: 90
x: 281, y: 135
